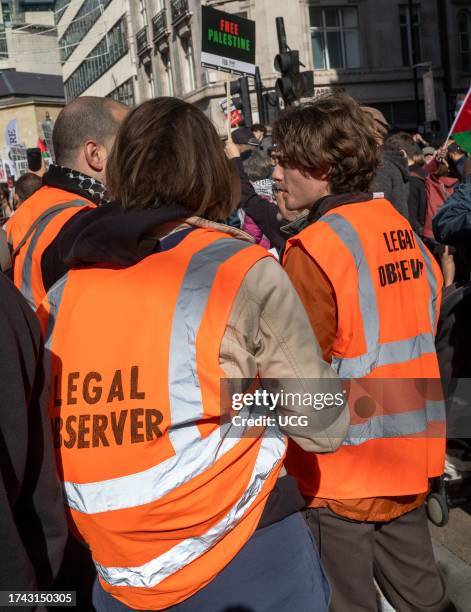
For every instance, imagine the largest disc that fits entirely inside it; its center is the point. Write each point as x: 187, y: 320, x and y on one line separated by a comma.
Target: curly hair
x: 331, y: 134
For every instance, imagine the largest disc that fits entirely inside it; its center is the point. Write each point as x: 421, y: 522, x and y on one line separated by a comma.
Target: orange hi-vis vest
x: 155, y: 479
x: 387, y: 288
x: 32, y: 228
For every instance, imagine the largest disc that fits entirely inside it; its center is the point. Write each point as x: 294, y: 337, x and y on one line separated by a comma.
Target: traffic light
x: 288, y: 64
x: 271, y: 107
x: 293, y: 84
x: 241, y: 88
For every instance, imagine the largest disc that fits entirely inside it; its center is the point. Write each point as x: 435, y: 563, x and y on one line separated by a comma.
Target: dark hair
x: 26, y: 185
x: 258, y: 127
x: 167, y: 151
x: 402, y: 141
x: 331, y: 134
x: 258, y: 166
x: 85, y: 118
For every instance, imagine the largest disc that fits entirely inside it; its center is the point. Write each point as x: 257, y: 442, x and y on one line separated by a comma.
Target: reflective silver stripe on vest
x: 193, y: 455
x: 387, y: 353
x: 436, y: 411
x: 54, y: 297
x: 154, y: 483
x: 366, y: 293
x: 377, y: 354
x: 26, y: 277
x: 432, y: 281
x: 395, y: 425
x: 186, y: 406
x: 156, y: 570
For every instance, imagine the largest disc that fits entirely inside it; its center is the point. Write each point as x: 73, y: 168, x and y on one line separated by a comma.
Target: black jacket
x: 33, y: 528
x: 417, y: 198
x: 392, y: 178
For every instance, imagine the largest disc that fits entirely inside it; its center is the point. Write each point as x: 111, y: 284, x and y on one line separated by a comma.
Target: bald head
x: 86, y: 121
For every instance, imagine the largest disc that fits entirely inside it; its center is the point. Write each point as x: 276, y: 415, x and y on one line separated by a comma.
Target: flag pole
x: 463, y: 106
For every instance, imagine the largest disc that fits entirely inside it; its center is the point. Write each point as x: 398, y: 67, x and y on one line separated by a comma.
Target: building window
x: 3, y: 43
x: 410, y: 35
x: 167, y: 73
x: 124, y: 93
x: 189, y: 81
x: 107, y: 52
x: 85, y: 18
x: 59, y: 9
x: 335, y: 36
x: 464, y: 34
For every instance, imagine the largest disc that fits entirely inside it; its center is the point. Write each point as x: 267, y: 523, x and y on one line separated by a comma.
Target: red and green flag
x: 461, y: 129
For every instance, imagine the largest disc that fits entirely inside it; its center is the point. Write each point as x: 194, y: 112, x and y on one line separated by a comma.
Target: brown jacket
x: 268, y: 334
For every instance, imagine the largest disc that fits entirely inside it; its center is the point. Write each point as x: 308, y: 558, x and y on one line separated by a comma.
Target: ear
x: 95, y: 155
x: 403, y: 153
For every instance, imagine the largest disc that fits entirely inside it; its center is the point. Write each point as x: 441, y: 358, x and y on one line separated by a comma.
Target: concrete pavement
x: 452, y: 545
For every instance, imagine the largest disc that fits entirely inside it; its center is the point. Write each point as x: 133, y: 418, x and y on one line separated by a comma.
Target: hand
x: 418, y: 138
x: 441, y: 153
x: 232, y: 150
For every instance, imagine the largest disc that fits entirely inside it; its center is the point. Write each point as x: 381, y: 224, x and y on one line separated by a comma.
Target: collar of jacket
x: 114, y: 237
x: 321, y: 207
x: 220, y: 227
x: 294, y: 227
x: 76, y: 182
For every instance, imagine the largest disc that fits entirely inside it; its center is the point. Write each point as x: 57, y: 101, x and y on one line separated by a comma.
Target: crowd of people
x: 163, y: 273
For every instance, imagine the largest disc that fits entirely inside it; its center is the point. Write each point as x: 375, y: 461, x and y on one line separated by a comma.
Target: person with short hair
x: 403, y: 143
x: 457, y: 160
x: 258, y: 170
x: 372, y: 292
x: 392, y: 176
x: 259, y: 131
x: 161, y: 304
x: 25, y: 186
x: 261, y: 134
x: 83, y: 136
x: 428, y: 153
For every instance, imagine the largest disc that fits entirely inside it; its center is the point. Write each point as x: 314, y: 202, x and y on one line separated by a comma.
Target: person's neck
x: 84, y: 170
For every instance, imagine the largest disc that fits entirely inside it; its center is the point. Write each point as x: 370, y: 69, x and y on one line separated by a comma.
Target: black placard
x: 227, y: 42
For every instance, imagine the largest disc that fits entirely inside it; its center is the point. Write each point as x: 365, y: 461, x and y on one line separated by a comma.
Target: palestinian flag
x: 461, y: 129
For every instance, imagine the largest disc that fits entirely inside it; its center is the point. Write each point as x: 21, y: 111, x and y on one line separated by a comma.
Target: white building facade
x: 137, y: 49
x: 28, y: 38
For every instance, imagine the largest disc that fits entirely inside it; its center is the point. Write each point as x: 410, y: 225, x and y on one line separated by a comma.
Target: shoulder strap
x: 44, y: 215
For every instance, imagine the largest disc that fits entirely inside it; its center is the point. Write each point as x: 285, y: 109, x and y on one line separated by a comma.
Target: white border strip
x: 226, y: 63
